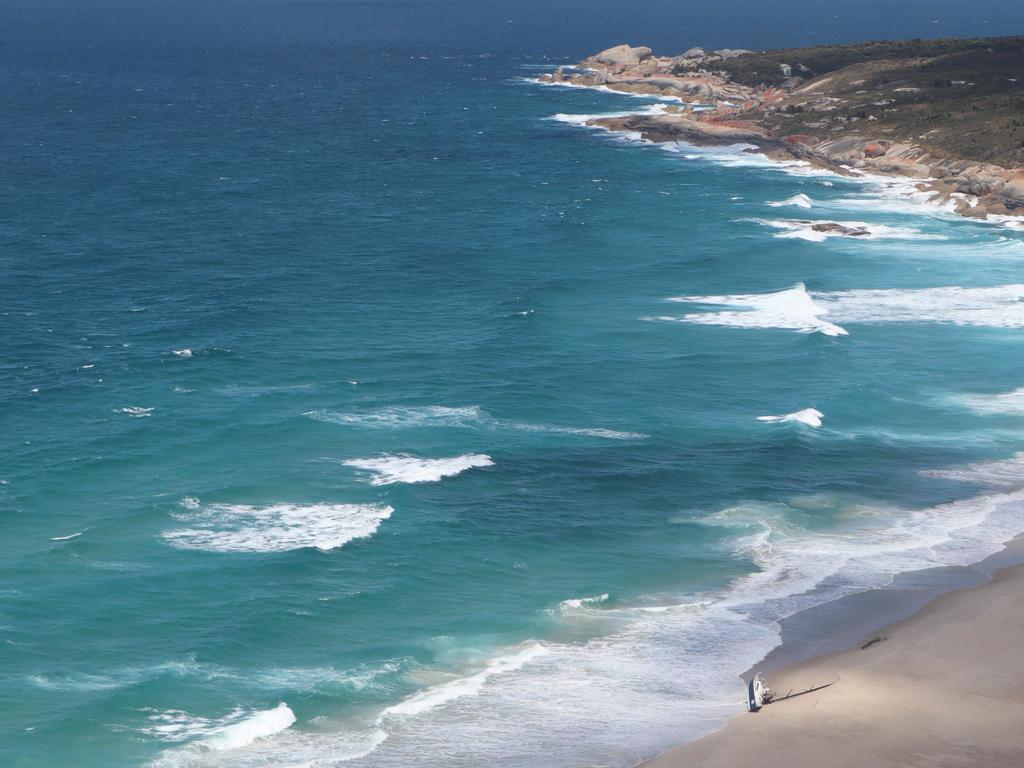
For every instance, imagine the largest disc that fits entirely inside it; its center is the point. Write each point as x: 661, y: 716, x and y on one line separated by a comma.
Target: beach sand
x: 943, y: 688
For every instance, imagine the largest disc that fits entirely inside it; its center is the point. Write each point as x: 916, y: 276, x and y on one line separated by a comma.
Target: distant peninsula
x: 948, y: 112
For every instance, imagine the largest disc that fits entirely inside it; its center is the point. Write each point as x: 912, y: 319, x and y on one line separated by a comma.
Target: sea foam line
x: 465, y: 417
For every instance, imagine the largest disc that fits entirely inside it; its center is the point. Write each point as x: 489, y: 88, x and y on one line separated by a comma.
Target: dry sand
x: 944, y: 689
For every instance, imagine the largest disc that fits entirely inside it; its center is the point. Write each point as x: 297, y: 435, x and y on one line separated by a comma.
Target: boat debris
x: 760, y: 695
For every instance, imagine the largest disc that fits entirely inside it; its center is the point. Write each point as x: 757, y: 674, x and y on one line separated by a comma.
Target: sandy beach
x: 940, y: 689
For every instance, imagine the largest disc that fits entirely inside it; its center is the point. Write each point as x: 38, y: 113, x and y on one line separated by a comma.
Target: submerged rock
x: 835, y: 228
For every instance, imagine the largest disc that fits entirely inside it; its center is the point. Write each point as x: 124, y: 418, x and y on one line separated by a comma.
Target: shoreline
x: 884, y: 653
x: 714, y: 108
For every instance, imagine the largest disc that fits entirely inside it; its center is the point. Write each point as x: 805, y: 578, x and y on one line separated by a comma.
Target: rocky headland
x: 947, y: 112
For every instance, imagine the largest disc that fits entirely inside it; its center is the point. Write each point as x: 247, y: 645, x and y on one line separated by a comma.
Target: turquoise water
x: 357, y: 400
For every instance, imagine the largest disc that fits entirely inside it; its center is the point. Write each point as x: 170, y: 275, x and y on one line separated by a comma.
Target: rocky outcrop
x: 680, y: 127
x: 622, y: 57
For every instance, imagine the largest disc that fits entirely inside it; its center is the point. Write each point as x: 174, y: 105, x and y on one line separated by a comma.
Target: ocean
x: 360, y: 407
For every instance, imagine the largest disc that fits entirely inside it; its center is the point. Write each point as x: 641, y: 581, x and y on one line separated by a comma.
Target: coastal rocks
x: 719, y: 108
x: 980, y: 185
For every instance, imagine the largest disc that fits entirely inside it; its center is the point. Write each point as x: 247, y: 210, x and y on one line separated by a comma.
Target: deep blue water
x: 243, y: 245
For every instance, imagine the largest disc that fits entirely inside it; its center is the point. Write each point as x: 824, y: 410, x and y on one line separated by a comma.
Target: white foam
x: 135, y: 411
x: 403, y: 468
x: 183, y: 352
x: 1000, y: 306
x: 1003, y: 402
x: 810, y: 416
x: 799, y: 200
x: 792, y: 309
x: 277, y: 528
x: 176, y: 725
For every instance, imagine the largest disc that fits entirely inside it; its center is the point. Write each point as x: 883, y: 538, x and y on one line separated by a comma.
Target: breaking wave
x: 792, y: 309
x: 402, y: 468
x: 578, y: 603
x: 237, y: 729
x: 799, y: 200
x: 810, y: 416
x: 795, y: 309
x: 277, y: 528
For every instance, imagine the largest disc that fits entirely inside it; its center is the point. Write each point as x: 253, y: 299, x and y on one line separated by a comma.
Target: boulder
x: 1014, y: 189
x: 623, y: 56
x: 693, y: 53
x: 875, y: 149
